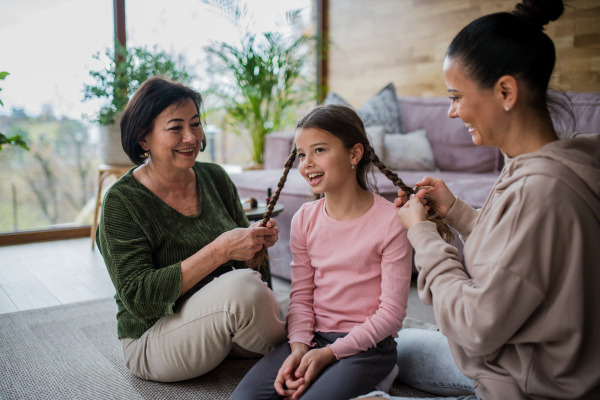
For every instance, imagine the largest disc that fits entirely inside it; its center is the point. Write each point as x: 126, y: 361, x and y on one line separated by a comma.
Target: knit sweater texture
x: 143, y: 241
x: 348, y: 276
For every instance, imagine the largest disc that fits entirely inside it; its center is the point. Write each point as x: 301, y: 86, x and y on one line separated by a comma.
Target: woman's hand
x: 311, y: 366
x: 437, y: 190
x: 286, y: 375
x: 241, y: 244
x: 413, y: 211
x: 269, y: 241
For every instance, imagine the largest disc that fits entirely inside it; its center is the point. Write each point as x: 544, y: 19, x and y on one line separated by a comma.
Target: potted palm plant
x: 263, y: 81
x: 126, y: 70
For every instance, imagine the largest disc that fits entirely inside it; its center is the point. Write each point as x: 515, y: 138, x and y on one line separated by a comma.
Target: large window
x: 47, y: 46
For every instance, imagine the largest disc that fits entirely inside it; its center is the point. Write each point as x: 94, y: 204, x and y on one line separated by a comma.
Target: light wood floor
x: 48, y: 274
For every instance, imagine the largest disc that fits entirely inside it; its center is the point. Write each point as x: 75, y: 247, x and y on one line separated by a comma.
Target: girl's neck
x: 348, y: 204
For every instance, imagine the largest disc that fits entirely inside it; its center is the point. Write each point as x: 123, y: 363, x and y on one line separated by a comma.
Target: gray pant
x: 426, y: 363
x: 349, y: 377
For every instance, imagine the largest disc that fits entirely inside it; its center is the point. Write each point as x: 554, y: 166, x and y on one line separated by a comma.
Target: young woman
x: 521, y: 318
x: 350, y: 273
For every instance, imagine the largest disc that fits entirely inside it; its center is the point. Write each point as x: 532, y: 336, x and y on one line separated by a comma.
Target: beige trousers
x: 235, y: 314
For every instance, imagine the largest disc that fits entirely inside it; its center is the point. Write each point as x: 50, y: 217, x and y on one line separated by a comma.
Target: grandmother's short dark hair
x: 152, y: 97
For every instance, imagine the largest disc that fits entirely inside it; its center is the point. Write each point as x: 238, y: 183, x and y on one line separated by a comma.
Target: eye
x: 175, y: 128
x: 453, y: 99
x: 319, y: 150
x: 195, y: 125
x: 301, y: 155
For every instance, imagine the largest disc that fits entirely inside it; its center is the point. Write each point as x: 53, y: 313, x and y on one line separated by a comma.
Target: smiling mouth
x: 185, y: 151
x: 315, y: 177
x: 470, y: 127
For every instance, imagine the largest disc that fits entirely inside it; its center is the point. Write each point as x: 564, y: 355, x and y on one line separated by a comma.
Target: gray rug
x: 72, y: 352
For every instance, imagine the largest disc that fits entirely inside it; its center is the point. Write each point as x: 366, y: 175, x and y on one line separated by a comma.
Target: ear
x: 143, y: 144
x: 507, y: 91
x: 356, y: 153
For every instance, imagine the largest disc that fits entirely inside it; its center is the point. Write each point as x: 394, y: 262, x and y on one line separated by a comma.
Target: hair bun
x: 539, y: 12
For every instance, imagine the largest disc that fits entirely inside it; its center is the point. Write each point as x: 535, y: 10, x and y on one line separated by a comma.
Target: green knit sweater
x: 143, y: 241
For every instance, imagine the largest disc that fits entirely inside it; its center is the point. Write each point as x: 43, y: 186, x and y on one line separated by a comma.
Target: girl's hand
x: 286, y: 375
x: 437, y: 191
x: 269, y: 241
x: 311, y: 366
x: 412, y: 212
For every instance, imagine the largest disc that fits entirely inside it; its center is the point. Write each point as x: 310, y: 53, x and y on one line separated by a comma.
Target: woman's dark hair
x: 152, y: 97
x: 346, y: 125
x: 511, y: 44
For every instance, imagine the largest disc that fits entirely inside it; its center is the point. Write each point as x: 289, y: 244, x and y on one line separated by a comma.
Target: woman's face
x: 176, y: 136
x: 477, y: 108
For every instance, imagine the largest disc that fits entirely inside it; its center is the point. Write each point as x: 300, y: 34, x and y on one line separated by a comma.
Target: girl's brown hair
x: 346, y: 125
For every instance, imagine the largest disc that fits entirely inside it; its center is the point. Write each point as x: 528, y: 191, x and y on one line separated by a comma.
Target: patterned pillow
x: 334, y: 98
x: 381, y: 109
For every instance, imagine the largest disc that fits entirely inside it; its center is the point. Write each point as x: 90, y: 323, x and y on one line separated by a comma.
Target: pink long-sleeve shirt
x: 348, y: 276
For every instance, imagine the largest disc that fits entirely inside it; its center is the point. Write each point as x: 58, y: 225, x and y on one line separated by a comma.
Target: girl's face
x: 175, y: 140
x: 477, y: 108
x: 324, y: 161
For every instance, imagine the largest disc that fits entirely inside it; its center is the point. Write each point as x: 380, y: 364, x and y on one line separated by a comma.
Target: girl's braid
x: 391, y: 175
x: 260, y: 257
x: 441, y: 223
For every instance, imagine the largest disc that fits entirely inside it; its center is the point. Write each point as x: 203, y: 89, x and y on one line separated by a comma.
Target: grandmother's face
x: 175, y: 140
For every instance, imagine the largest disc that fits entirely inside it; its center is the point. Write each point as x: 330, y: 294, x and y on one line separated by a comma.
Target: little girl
x: 351, y: 271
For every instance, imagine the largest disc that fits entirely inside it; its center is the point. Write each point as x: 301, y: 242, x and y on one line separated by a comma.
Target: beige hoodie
x: 523, y: 317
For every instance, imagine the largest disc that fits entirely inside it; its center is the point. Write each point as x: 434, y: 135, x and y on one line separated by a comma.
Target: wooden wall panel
x: 404, y: 41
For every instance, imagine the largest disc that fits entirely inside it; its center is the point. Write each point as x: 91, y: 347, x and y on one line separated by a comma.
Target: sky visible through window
x: 47, y: 45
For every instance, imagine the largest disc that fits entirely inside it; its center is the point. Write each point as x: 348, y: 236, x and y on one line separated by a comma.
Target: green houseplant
x: 16, y: 140
x: 264, y: 81
x: 126, y: 70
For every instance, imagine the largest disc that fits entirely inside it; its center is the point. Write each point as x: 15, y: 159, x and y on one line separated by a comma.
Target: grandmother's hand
x: 413, y: 211
x: 269, y: 240
x: 241, y: 244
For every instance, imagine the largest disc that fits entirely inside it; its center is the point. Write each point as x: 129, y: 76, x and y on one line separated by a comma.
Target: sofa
x: 468, y: 170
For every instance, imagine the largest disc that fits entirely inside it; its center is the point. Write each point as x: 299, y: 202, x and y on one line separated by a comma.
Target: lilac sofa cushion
x: 473, y: 188
x: 586, y: 108
x: 451, y: 142
x: 277, y: 149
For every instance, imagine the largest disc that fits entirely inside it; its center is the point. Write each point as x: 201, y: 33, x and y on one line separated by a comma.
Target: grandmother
x: 175, y: 239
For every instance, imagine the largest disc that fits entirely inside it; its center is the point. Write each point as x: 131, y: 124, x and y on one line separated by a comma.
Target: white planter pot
x: 110, y: 147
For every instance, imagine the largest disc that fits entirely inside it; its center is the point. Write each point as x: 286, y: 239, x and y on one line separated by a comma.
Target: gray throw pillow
x: 334, y: 98
x: 382, y: 109
x: 409, y: 152
x: 376, y: 134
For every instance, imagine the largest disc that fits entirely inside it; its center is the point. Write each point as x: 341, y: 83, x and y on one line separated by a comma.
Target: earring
x: 506, y: 108
x: 352, y: 166
x: 146, y: 154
